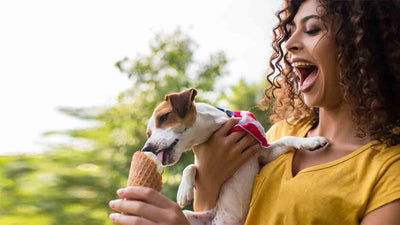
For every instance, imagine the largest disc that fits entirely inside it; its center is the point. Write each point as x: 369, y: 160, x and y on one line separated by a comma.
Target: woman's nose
x: 293, y: 44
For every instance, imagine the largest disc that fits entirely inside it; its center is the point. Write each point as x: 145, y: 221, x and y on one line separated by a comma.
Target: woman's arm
x: 388, y: 214
x: 217, y: 160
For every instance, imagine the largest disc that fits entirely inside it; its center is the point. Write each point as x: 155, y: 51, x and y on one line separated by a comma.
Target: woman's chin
x: 311, y: 101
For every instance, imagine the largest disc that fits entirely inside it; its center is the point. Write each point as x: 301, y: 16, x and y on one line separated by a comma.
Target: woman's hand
x: 145, y: 206
x: 218, y: 159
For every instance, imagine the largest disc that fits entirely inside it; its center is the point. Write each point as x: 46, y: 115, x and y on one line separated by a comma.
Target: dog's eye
x: 163, y: 118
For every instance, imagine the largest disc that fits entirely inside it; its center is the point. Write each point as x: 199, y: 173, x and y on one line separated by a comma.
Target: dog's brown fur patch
x: 177, y: 111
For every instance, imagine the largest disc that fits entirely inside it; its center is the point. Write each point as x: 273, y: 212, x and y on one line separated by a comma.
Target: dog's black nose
x: 149, y: 148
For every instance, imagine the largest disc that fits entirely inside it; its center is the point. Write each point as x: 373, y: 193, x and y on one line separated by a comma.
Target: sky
x: 62, y: 54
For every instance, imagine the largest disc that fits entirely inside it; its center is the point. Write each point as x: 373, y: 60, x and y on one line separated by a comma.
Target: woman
x: 338, y: 78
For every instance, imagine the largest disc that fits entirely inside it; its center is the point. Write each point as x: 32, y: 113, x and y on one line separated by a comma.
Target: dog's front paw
x: 185, y: 193
x: 314, y: 143
x: 186, y: 187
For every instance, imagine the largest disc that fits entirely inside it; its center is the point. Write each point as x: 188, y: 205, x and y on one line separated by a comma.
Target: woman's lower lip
x: 308, y: 83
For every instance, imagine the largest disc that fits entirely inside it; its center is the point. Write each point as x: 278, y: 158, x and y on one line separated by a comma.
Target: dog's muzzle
x: 150, y: 147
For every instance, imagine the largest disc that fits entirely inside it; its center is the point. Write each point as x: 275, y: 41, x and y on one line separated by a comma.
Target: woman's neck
x: 337, y: 125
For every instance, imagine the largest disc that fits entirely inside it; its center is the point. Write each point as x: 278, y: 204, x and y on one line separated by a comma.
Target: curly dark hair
x: 367, y: 38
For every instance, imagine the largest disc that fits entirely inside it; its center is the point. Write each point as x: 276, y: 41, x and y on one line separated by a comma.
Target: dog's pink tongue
x: 160, y: 156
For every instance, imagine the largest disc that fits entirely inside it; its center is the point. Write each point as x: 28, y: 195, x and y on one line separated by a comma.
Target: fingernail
x: 113, y: 217
x: 120, y: 191
x: 112, y: 203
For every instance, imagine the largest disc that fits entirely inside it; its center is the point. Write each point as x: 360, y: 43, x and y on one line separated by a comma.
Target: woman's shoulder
x: 289, y: 127
x: 387, y: 153
x: 384, y: 170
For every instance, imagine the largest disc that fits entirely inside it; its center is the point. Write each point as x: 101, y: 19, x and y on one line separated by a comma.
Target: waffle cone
x: 143, y: 172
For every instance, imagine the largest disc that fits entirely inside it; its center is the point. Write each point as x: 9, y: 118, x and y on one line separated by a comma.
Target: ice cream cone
x: 145, y: 171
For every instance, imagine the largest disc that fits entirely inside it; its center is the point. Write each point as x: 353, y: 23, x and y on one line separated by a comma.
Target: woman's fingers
x: 244, y: 142
x: 138, y: 208
x: 227, y: 126
x: 250, y: 151
x: 148, y: 204
x: 129, y: 219
x: 235, y: 137
x: 145, y: 194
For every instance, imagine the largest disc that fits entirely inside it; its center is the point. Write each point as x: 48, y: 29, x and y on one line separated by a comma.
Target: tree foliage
x: 72, y: 184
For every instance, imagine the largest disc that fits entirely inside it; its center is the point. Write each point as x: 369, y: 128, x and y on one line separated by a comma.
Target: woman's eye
x: 312, y: 31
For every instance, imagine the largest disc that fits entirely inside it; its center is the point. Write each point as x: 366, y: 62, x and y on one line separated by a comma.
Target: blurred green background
x: 73, y: 185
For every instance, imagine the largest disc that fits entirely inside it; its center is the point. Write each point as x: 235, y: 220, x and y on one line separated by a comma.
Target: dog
x: 178, y: 123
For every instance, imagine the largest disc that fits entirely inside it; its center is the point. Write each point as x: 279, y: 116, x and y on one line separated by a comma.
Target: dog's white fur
x: 235, y: 194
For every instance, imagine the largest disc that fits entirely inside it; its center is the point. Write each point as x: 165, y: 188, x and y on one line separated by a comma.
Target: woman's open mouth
x: 307, y: 73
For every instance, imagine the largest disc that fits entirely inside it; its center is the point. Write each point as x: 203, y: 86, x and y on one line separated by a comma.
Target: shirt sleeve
x: 387, y: 186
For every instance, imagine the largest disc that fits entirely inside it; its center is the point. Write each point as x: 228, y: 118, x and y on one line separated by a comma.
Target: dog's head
x: 171, y: 129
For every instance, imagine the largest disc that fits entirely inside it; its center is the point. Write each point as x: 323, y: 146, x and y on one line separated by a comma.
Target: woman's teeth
x: 301, y: 64
x: 303, y: 69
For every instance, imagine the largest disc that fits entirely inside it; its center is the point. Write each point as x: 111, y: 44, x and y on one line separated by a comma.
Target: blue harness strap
x: 229, y: 113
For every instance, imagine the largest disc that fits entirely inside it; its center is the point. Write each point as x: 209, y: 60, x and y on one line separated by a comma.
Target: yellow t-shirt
x: 339, y: 192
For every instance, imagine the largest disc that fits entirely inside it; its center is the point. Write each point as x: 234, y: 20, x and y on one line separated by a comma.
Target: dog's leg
x: 288, y: 143
x: 185, y: 192
x: 310, y: 143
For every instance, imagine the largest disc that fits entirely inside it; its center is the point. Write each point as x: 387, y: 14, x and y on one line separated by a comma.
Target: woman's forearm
x: 206, y: 193
x: 216, y: 159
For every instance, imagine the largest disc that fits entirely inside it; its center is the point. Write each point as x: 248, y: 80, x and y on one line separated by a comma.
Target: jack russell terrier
x: 178, y: 123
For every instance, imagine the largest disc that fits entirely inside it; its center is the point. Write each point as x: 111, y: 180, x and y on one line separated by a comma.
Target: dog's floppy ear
x: 181, y: 102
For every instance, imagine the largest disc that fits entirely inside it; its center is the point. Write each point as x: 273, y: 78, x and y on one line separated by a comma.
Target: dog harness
x: 248, y: 123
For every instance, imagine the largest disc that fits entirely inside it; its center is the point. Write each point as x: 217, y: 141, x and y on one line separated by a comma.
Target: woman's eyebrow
x: 309, y: 17
x: 304, y: 19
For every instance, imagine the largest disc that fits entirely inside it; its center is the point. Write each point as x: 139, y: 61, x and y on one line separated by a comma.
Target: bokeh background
x: 79, y: 80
